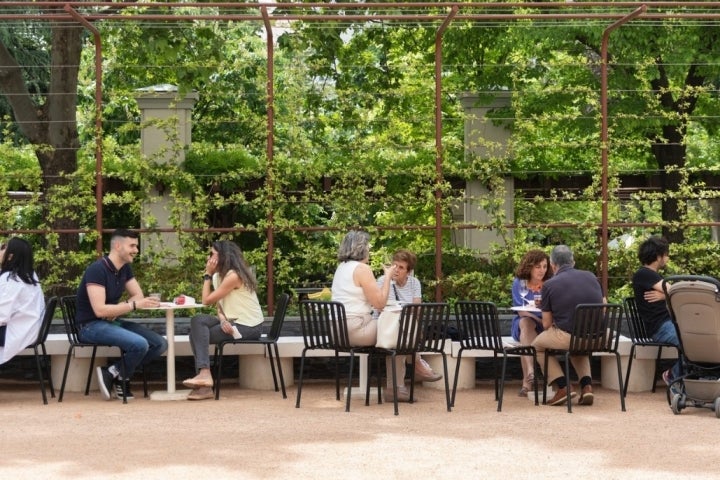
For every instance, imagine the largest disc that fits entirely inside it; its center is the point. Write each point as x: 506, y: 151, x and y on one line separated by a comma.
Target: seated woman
x: 21, y: 298
x: 406, y: 288
x: 228, y: 282
x: 531, y: 273
x: 354, y: 286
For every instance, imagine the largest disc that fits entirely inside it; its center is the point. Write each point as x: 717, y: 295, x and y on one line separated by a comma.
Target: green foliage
x: 19, y: 169
x: 226, y: 168
x: 354, y: 147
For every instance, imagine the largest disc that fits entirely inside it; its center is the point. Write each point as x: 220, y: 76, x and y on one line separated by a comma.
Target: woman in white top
x: 354, y: 286
x: 21, y: 298
x: 229, y: 282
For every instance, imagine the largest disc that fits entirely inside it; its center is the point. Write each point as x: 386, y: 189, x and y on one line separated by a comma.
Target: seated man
x: 98, y: 312
x: 654, y: 254
x: 560, y: 295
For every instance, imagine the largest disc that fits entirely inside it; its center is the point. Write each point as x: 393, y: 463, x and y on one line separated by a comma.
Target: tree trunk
x: 50, y: 124
x: 670, y: 151
x: 61, y: 112
x: 671, y: 154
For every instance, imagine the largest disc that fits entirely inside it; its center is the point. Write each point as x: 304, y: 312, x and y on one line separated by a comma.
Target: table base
x: 164, y: 395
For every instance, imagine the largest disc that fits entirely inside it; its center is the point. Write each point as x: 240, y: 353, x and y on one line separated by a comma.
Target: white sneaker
x: 105, y: 382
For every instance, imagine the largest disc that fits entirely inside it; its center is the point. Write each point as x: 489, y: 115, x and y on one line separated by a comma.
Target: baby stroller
x: 694, y: 304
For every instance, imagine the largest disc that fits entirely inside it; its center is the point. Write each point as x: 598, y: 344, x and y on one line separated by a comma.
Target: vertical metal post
x: 269, y: 177
x: 98, y: 125
x: 439, y: 150
x: 604, y: 142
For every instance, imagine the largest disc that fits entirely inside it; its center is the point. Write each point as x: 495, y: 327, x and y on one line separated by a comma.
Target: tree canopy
x: 354, y: 117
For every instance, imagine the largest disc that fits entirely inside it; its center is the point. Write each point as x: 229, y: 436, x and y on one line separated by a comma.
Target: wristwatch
x: 207, y: 278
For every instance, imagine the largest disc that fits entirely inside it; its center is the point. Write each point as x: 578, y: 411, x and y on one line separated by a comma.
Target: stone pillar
x: 485, y: 138
x: 715, y: 208
x: 166, y: 126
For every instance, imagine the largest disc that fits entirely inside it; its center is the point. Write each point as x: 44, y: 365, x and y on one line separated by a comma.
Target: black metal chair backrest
x: 479, y: 323
x: 324, y: 325
x: 38, y: 345
x: 638, y: 333
x: 68, y: 304
x: 48, y: 314
x: 640, y: 338
x: 269, y: 340
x: 596, y: 328
x: 281, y: 307
x: 423, y: 327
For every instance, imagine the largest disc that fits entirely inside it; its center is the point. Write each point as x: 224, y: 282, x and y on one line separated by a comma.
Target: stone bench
x: 254, y: 368
x: 641, y: 376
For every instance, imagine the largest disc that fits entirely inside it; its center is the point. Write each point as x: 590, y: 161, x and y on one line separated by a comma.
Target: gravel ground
x: 259, y: 435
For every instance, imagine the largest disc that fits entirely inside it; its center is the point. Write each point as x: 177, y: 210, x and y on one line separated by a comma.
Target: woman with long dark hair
x: 21, y: 298
x: 229, y: 283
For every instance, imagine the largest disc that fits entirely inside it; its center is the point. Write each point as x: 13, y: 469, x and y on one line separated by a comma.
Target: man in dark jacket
x: 560, y: 295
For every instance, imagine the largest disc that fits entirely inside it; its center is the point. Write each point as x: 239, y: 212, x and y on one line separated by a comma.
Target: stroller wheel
x: 675, y: 404
x: 717, y: 407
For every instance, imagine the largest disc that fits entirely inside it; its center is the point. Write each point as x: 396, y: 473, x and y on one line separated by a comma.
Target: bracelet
x: 207, y: 277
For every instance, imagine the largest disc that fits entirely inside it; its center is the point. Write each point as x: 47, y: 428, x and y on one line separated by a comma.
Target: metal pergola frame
x: 443, y: 13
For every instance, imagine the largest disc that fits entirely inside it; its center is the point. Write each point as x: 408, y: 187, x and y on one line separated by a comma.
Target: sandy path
x: 258, y: 435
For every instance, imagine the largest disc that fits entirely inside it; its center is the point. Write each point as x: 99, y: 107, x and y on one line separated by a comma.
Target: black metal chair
x: 640, y: 338
x: 423, y: 328
x: 269, y: 340
x: 42, y: 360
x: 68, y: 304
x: 479, y: 325
x: 596, y: 329
x: 324, y: 327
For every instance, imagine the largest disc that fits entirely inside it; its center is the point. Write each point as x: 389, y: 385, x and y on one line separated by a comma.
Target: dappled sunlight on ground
x: 258, y: 434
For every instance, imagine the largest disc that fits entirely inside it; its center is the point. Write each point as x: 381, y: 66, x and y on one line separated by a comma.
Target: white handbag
x: 388, y: 327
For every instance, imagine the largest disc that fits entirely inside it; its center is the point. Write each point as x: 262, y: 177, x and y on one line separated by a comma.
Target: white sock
x: 113, y: 369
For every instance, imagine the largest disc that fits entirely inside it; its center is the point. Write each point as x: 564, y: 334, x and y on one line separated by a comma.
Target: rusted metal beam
x: 604, y: 141
x: 98, y: 125
x: 87, y: 12
x: 439, y: 150
x: 270, y: 146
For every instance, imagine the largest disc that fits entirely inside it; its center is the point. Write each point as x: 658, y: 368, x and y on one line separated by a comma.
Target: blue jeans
x: 139, y: 344
x: 668, y: 334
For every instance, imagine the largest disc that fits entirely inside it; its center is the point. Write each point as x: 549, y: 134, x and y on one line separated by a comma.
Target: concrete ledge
x: 255, y: 369
x: 253, y: 364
